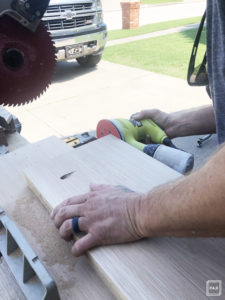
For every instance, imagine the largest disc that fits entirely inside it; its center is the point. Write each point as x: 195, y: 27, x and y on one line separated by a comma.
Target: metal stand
x: 29, y: 272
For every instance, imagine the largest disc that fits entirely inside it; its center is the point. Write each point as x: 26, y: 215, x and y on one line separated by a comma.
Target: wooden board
x: 162, y: 268
x: 75, y: 278
x: 108, y: 160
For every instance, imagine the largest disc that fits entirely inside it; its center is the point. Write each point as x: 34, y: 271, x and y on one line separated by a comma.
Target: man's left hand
x: 107, y: 214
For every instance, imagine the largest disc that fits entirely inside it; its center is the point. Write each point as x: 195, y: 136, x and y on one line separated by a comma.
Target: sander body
x: 135, y: 133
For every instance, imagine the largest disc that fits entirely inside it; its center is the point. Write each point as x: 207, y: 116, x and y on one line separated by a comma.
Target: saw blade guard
x: 28, y: 13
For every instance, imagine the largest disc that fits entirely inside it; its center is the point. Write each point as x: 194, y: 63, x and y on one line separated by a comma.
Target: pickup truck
x: 77, y: 29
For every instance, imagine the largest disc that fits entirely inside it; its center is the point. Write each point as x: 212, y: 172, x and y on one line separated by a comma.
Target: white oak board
x: 107, y: 160
x: 163, y: 268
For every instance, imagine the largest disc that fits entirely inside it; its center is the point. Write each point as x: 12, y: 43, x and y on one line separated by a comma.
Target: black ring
x: 75, y: 225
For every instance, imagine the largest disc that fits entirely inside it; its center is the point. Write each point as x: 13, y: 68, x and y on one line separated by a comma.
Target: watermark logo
x: 214, y: 288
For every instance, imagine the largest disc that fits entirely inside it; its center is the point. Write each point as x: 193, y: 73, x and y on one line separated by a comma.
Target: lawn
x: 159, y: 1
x: 123, y: 33
x: 167, y: 54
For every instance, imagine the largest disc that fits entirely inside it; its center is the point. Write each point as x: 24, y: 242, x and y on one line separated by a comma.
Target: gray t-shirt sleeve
x: 216, y: 61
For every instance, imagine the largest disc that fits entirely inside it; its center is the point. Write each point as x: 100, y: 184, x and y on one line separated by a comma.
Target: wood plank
x: 75, y: 278
x: 107, y: 160
x: 163, y: 268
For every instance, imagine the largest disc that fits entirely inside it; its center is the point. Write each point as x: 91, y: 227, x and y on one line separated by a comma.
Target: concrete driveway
x: 79, y: 98
x: 111, y: 5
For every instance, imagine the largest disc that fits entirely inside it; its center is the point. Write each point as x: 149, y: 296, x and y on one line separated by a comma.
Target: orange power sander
x: 135, y: 133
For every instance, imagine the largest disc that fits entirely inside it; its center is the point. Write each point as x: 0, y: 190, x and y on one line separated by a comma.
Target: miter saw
x: 27, y: 53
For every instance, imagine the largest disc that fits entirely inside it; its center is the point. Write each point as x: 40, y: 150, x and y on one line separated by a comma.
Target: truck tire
x: 89, y: 61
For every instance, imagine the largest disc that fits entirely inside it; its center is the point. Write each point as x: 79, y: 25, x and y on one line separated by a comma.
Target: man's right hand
x: 162, y: 119
x: 195, y: 121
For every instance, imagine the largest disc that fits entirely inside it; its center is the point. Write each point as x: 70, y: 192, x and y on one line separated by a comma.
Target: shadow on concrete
x: 69, y: 70
x: 202, y: 154
x: 191, y: 35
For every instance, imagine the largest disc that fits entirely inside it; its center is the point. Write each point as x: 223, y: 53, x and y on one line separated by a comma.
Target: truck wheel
x: 89, y: 61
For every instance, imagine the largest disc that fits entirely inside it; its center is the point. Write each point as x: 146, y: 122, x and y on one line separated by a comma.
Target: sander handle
x: 156, y: 133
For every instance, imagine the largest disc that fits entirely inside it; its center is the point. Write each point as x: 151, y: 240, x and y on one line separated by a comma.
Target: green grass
x: 123, y: 33
x: 167, y: 54
x: 158, y: 1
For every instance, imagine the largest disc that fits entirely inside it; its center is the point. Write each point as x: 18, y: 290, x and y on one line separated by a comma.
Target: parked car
x: 78, y: 30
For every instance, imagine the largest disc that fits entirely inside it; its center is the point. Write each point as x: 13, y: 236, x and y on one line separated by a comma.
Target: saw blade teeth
x: 30, y: 80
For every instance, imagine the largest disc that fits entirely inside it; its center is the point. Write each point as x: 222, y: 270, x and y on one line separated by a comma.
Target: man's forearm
x: 191, y: 206
x: 195, y: 121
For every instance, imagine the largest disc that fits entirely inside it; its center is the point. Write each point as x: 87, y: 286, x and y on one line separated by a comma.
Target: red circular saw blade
x: 27, y: 62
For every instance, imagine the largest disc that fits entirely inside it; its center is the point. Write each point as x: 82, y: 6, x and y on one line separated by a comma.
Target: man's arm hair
x: 195, y: 121
x: 192, y: 206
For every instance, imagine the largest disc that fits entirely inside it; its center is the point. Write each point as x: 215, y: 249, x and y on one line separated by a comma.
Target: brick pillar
x: 130, y: 14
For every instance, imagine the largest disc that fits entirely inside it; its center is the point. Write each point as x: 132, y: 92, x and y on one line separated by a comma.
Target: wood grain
x: 107, y: 160
x: 75, y: 278
x: 163, y: 268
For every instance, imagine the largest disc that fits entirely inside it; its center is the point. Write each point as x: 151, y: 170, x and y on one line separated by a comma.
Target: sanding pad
x: 106, y: 127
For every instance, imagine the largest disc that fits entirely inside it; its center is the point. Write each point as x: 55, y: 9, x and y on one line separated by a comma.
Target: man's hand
x: 107, y: 214
x: 162, y: 119
x: 195, y: 121
x: 194, y: 205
